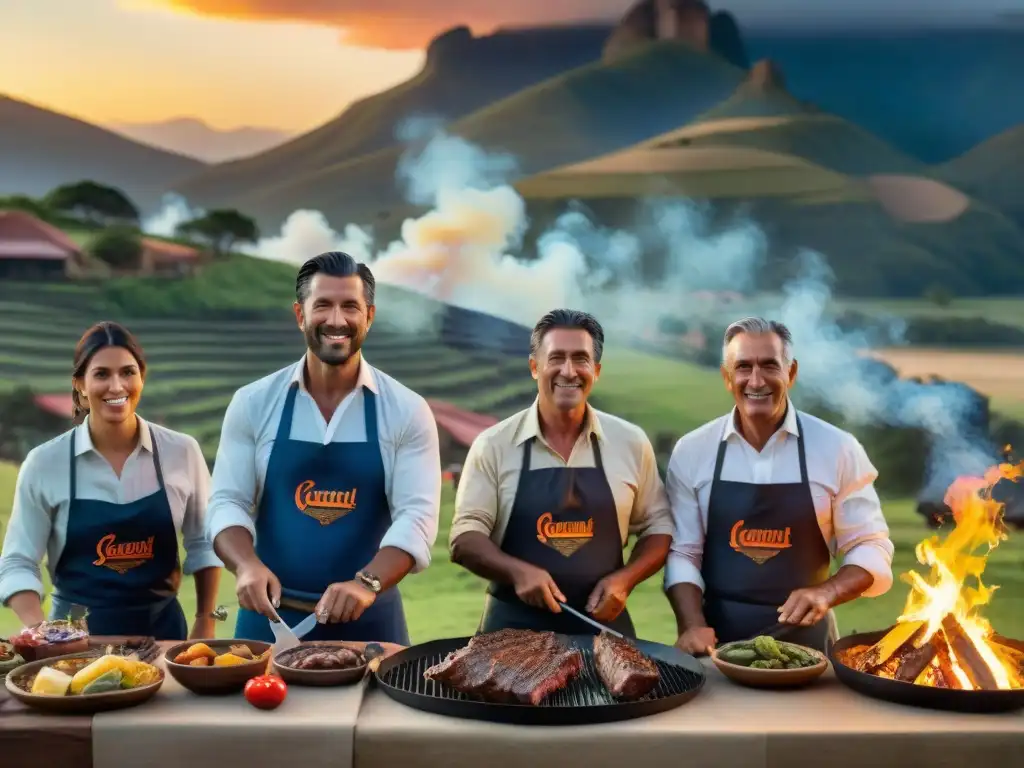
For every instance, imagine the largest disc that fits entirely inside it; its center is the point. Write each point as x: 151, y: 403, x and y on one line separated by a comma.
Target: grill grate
x: 586, y: 690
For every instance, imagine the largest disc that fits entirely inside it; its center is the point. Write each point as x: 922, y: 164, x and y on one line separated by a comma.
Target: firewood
x: 899, y: 636
x: 914, y: 661
x: 946, y: 677
x: 971, y: 663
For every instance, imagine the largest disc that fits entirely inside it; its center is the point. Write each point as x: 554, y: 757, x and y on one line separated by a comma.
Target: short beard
x: 325, y: 354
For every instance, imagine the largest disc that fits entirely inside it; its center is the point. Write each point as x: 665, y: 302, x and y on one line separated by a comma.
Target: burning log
x: 897, y: 638
x: 971, y: 662
x: 945, y: 676
x: 915, y: 661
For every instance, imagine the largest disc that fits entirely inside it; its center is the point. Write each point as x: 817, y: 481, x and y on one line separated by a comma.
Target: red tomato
x: 266, y: 691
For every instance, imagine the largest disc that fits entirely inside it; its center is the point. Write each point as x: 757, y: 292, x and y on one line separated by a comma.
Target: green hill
x: 199, y: 353
x: 588, y: 111
x: 461, y: 74
x: 992, y: 172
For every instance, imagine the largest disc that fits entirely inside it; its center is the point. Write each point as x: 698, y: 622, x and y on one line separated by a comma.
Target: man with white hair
x: 763, y: 499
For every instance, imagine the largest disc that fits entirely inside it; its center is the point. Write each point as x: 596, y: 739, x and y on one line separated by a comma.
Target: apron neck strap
x: 528, y: 445
x: 74, y: 465
x: 723, y: 444
x: 284, y: 426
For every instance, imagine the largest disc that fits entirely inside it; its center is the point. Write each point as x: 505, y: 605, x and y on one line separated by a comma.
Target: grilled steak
x: 624, y: 670
x: 321, y: 657
x: 509, y: 666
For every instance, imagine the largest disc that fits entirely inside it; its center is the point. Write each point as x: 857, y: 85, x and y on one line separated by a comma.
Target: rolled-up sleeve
x: 199, y: 552
x: 476, y: 501
x: 28, y: 533
x: 860, y: 530
x: 233, y: 496
x: 687, y: 551
x: 416, y: 488
x: 651, y: 513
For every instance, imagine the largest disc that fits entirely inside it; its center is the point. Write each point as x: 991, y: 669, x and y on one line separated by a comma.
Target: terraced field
x: 196, y: 365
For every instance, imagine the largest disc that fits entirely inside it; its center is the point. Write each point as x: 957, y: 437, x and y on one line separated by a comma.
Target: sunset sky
x: 288, y: 64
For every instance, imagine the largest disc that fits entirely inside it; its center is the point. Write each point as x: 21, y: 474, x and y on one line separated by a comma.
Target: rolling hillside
x: 992, y: 172
x: 589, y: 111
x: 199, y: 357
x: 462, y: 74
x: 40, y: 150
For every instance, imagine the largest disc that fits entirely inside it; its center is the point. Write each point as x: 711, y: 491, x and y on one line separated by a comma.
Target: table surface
x: 724, y: 726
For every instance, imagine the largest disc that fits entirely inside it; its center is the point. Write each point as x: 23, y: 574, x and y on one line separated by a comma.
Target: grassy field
x: 445, y: 600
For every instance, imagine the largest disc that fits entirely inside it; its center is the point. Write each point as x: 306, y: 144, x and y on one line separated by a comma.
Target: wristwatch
x: 369, y: 581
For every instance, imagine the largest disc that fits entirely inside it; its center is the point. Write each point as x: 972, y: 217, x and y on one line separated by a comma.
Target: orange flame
x: 956, y: 563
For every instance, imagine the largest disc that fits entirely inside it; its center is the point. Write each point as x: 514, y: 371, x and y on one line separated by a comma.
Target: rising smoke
x: 468, y: 251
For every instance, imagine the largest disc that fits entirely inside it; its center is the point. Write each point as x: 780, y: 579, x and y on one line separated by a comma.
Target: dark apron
x: 577, y: 555
x: 120, y: 562
x: 763, y: 541
x: 323, y: 514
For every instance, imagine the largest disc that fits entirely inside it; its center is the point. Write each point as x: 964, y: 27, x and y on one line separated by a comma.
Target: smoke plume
x: 468, y: 251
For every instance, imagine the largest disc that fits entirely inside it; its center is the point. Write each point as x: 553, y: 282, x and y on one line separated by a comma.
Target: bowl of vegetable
x: 217, y: 666
x: 765, y: 662
x: 84, y: 683
x: 50, y: 639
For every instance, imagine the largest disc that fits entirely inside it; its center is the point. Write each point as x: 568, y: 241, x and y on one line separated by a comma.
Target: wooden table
x: 725, y: 726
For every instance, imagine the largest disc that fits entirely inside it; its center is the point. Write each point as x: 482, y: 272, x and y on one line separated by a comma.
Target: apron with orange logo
x: 563, y: 520
x: 120, y: 563
x: 763, y: 541
x: 322, y: 516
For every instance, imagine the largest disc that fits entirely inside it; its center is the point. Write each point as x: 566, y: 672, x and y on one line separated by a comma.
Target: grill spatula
x: 666, y: 653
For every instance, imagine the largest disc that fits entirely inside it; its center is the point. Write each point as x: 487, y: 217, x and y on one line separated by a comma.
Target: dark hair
x: 100, y: 336
x: 335, y: 264
x: 568, y: 318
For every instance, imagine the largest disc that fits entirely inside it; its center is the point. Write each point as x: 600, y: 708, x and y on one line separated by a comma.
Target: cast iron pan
x: 899, y: 692
x: 585, y: 700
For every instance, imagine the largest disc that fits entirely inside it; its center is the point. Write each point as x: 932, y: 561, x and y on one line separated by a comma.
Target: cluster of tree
x: 116, y: 221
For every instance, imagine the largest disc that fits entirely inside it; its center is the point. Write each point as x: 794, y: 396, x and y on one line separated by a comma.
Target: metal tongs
x: 666, y: 653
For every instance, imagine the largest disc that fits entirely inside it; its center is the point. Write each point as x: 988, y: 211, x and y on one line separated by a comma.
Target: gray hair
x: 758, y: 326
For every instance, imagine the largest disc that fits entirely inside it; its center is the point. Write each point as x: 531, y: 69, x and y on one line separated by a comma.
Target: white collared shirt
x: 409, y: 446
x: 39, y: 518
x: 840, y: 475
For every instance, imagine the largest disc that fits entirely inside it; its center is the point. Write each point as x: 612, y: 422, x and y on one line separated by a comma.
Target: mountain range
x: 192, y: 137
x: 837, y: 128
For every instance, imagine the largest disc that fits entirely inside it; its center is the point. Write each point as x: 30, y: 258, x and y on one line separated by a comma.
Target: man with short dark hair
x: 763, y: 499
x: 549, y: 497
x: 327, y: 484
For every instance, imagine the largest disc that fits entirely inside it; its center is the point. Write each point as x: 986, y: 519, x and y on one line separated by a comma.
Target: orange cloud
x: 405, y: 24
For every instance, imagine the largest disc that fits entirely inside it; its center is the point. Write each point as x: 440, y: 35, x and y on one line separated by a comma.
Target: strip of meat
x: 626, y: 672
x: 510, y: 666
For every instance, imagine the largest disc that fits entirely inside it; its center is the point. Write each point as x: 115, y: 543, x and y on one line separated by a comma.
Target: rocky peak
x: 689, y: 21
x: 766, y: 75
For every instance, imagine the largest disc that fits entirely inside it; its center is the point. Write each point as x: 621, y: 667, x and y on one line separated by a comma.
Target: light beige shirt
x: 39, y: 519
x: 840, y: 475
x: 490, y: 477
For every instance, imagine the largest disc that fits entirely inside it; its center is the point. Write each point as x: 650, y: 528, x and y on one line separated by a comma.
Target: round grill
x: 899, y: 692
x: 584, y: 700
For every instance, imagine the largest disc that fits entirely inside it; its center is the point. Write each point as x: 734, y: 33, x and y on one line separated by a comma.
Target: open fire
x: 942, y: 640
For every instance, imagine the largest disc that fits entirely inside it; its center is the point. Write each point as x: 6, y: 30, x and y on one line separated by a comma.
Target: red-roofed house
x: 457, y: 429
x: 32, y: 249
x: 160, y: 257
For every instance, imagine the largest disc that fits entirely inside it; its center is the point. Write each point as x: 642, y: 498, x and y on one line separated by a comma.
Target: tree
x: 27, y: 204
x: 221, y: 230
x: 120, y: 247
x: 98, y: 204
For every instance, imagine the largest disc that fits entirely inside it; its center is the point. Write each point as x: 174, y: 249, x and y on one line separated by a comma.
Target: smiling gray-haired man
x: 762, y: 499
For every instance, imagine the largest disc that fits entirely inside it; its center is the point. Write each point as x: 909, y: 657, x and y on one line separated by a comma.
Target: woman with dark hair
x: 106, y: 502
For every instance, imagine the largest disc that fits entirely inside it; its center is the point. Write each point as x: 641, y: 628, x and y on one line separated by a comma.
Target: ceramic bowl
x: 770, y: 678
x: 216, y: 680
